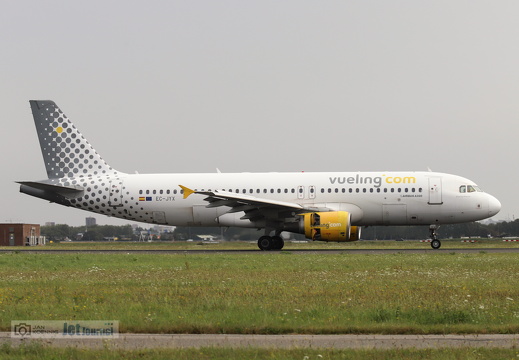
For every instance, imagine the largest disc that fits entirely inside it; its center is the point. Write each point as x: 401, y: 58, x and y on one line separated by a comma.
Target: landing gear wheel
x: 435, y: 244
x: 265, y: 243
x: 278, y: 243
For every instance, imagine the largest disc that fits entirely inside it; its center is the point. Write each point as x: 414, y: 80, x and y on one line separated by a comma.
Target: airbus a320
x: 325, y: 206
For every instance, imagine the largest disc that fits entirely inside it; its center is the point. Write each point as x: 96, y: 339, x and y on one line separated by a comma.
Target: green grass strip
x: 38, y: 352
x: 276, y: 293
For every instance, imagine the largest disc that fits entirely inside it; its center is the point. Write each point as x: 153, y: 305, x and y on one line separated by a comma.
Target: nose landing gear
x: 435, y: 243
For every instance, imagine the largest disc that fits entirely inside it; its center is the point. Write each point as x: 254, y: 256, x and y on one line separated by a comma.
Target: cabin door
x: 435, y: 191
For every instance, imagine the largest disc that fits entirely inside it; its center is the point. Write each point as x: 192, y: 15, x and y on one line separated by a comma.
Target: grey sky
x: 246, y: 86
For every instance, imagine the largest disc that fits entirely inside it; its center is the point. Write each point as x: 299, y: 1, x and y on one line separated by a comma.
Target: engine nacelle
x: 329, y: 226
x: 355, y: 233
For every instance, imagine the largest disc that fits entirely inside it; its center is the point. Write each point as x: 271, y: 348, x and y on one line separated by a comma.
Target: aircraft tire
x: 265, y: 243
x: 278, y: 243
x: 435, y: 244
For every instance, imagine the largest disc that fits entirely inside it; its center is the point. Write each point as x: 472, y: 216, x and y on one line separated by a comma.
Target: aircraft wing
x: 254, y: 207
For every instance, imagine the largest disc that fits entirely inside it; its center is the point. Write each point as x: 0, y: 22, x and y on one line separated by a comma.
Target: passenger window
x: 357, y: 190
x: 140, y: 192
x: 351, y: 190
x: 371, y: 190
x: 336, y: 190
x: 147, y: 192
x: 463, y: 189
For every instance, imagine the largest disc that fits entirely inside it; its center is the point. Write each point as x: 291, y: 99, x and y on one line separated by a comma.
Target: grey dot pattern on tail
x: 66, y: 152
x: 70, y: 160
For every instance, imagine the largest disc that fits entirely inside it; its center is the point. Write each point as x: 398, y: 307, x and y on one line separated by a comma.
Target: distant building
x: 91, y: 221
x: 207, y: 237
x: 163, y: 228
x: 20, y: 235
x: 50, y: 223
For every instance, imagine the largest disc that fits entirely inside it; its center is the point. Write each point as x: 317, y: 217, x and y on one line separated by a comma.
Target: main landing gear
x: 435, y: 243
x: 271, y: 242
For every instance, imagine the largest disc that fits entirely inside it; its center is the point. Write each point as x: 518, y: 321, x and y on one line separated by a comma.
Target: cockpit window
x: 469, y: 188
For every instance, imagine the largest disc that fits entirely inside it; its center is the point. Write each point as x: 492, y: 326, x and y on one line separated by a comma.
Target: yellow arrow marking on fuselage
x: 187, y: 191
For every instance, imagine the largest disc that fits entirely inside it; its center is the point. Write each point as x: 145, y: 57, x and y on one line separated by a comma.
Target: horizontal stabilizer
x: 67, y: 191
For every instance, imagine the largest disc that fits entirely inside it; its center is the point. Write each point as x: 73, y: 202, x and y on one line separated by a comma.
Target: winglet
x: 187, y: 191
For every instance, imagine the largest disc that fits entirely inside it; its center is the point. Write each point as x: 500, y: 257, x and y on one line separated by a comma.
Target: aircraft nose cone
x: 494, y: 206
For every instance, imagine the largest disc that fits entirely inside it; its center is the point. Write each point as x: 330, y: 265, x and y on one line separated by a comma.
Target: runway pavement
x: 152, y: 341
x: 257, y: 251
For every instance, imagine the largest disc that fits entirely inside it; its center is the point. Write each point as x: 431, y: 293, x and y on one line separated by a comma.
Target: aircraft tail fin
x: 65, y: 151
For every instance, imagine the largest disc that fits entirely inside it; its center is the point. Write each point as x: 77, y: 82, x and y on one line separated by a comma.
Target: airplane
x: 324, y: 206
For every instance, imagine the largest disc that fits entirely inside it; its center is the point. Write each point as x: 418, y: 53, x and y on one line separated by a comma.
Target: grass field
x: 271, y: 293
x: 251, y: 245
x: 38, y: 352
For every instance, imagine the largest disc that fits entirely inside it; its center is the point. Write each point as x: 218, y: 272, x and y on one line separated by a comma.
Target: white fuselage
x: 373, y: 198
x: 323, y: 206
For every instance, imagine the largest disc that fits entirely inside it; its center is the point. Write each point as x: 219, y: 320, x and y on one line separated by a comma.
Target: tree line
x: 61, y: 232
x: 127, y: 233
x: 473, y: 229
